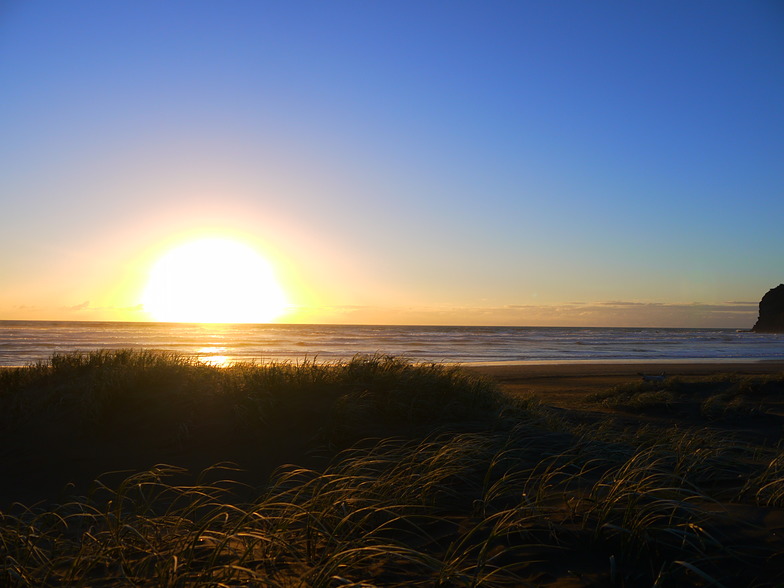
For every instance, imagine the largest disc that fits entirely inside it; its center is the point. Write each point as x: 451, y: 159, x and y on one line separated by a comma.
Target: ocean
x: 26, y: 342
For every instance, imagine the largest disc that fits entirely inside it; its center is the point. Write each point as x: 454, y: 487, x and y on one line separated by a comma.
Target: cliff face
x: 771, y: 312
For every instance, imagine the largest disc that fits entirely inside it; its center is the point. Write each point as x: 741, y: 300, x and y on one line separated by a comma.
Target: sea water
x: 26, y: 342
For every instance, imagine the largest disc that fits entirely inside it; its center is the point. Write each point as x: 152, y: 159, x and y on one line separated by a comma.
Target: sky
x: 503, y: 162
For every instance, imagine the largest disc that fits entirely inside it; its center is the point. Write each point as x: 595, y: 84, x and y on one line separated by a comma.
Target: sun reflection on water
x: 214, y: 356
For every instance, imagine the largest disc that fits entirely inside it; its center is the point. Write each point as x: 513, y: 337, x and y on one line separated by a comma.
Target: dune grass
x: 432, y: 477
x: 715, y: 397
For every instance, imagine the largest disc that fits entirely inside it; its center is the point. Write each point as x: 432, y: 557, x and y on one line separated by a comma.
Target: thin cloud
x: 628, y: 303
x: 78, y: 307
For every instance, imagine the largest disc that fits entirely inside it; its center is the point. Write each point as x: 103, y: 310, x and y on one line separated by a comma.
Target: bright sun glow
x: 213, y: 280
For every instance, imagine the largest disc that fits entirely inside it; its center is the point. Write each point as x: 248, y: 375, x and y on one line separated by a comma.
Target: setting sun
x: 213, y: 280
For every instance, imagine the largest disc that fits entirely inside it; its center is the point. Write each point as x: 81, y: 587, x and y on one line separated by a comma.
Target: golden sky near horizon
x: 211, y: 276
x: 565, y: 164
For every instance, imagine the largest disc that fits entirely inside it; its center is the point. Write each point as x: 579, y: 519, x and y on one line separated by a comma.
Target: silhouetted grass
x: 475, y: 490
x: 715, y: 397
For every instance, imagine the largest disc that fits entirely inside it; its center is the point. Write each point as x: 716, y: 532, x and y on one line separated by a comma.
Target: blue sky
x: 411, y: 162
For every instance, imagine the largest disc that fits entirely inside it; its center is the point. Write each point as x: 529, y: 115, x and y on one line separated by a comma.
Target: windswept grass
x: 96, y: 386
x: 459, y: 487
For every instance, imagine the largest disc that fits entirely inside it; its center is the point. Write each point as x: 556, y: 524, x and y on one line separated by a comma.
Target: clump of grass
x: 714, y: 397
x: 96, y: 384
x: 724, y: 406
x: 637, y: 396
x: 347, y: 398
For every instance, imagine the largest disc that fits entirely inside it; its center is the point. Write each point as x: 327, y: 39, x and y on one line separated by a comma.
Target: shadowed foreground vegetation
x: 715, y: 398
x: 406, y: 474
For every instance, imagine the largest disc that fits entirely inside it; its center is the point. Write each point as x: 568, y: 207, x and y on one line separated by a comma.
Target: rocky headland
x: 771, y: 312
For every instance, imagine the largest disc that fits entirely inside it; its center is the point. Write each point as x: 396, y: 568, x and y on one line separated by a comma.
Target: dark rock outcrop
x: 771, y: 312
